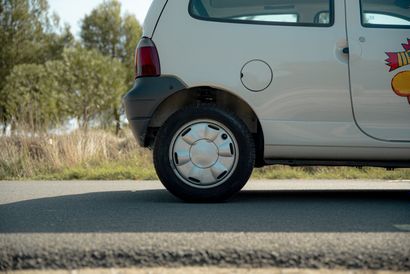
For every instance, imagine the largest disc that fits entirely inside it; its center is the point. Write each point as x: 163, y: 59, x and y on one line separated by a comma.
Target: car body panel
x: 310, y: 78
x: 379, y: 112
x: 153, y: 15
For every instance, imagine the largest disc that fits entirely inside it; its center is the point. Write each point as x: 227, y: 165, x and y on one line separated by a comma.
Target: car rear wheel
x: 204, y: 154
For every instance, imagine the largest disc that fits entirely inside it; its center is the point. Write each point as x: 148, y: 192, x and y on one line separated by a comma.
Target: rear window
x: 386, y: 13
x: 275, y: 12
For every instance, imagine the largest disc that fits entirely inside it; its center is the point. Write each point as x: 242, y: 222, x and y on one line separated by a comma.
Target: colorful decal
x: 401, y: 82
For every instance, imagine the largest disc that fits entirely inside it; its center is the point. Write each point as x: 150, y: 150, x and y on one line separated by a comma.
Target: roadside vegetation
x: 102, y: 155
x: 96, y: 154
x: 49, y: 77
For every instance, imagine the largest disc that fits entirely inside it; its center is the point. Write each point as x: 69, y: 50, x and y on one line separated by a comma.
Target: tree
x: 101, y: 29
x: 89, y: 82
x: 28, y: 35
x: 105, y: 30
x: 31, y: 98
x: 115, y: 36
x: 131, y: 32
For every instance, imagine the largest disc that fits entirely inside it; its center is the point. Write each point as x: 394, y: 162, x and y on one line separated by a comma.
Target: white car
x: 223, y: 86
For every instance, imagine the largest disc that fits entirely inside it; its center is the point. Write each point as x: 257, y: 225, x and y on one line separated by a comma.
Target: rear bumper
x: 139, y: 129
x: 143, y: 99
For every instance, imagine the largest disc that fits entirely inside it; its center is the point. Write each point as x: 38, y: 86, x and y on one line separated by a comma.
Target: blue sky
x: 72, y: 11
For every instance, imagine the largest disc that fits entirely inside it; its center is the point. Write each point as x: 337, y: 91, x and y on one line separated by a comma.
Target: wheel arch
x: 216, y: 96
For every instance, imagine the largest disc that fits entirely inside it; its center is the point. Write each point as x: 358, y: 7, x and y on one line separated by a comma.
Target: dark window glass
x: 287, y: 12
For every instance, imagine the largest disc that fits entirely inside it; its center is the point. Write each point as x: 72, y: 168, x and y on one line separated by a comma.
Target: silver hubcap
x: 204, y: 154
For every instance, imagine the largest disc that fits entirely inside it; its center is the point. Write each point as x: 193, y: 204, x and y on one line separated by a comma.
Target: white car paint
x: 313, y: 108
x: 152, y: 17
x: 379, y: 112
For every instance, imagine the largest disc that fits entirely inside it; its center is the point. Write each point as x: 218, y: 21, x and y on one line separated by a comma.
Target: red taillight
x: 146, y: 59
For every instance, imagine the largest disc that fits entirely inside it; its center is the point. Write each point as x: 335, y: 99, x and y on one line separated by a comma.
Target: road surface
x: 291, y: 224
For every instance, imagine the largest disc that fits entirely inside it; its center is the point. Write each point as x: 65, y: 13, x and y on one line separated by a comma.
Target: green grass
x: 103, y: 171
x: 100, y: 155
x: 366, y: 173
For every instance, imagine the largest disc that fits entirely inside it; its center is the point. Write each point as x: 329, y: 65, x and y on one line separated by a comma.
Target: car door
x: 379, y: 45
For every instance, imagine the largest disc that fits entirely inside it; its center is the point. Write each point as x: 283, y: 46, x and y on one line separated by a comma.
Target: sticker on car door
x: 401, y: 81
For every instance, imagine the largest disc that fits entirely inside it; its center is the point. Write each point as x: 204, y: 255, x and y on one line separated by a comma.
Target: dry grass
x: 100, y: 155
x: 95, y: 155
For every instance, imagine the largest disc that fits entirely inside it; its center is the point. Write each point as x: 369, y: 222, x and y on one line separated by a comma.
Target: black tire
x: 243, y: 154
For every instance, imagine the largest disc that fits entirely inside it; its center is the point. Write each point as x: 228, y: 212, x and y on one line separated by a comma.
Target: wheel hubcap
x: 204, y: 154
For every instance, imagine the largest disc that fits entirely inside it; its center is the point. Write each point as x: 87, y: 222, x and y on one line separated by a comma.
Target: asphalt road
x: 302, y: 224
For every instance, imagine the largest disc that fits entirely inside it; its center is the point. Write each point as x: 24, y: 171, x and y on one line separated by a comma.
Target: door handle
x: 345, y: 50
